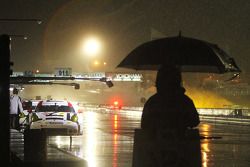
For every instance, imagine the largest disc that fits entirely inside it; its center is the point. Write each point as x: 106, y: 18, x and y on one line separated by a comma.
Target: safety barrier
x: 237, y: 112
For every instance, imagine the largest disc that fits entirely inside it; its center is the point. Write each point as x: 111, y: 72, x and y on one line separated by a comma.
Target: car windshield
x: 54, y: 108
x: 33, y: 107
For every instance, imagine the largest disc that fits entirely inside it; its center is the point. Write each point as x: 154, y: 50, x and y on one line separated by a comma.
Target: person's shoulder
x: 187, y: 98
x: 16, y: 97
x: 152, y: 99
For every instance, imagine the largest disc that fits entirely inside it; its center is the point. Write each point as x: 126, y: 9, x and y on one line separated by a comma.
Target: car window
x: 65, y: 109
x: 54, y: 108
x: 33, y: 107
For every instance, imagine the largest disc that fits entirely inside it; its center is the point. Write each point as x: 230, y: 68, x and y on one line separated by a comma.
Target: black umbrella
x: 191, y: 55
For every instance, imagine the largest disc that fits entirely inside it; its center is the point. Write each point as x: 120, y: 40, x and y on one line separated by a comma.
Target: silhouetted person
x: 15, y: 109
x: 169, y: 108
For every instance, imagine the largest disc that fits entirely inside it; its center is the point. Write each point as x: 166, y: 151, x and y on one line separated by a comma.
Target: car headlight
x: 34, y: 118
x: 21, y: 115
x: 74, y: 118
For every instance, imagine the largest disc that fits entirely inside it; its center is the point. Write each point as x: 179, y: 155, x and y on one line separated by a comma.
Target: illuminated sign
x: 63, y: 72
x: 92, y: 75
x: 127, y: 77
x: 97, y: 75
x: 67, y: 72
x: 15, y: 74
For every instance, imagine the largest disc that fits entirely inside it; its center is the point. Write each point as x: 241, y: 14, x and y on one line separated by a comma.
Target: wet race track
x: 107, y: 140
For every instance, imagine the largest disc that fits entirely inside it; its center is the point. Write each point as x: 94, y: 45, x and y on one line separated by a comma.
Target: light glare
x: 92, y: 46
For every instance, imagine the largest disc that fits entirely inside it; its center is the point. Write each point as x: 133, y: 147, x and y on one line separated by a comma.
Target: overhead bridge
x: 111, y: 76
x: 60, y: 78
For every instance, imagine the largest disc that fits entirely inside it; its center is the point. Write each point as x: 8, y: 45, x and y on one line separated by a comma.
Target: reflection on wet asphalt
x: 107, y: 141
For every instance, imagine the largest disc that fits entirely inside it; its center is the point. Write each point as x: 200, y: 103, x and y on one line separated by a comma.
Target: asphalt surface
x: 108, y: 138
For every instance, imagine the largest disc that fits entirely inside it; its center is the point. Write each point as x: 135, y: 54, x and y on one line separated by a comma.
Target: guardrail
x: 214, y: 115
x: 232, y: 120
x: 224, y: 111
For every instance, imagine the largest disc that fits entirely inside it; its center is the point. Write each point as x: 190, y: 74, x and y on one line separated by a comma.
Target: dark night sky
x: 121, y: 25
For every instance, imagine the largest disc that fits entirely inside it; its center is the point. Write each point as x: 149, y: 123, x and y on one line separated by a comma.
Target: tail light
x: 117, y: 104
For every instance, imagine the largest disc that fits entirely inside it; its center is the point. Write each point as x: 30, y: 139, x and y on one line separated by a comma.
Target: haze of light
x: 207, y: 99
x: 202, y: 98
x: 92, y: 46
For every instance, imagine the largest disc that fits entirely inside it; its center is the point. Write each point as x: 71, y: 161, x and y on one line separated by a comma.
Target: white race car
x: 57, y: 117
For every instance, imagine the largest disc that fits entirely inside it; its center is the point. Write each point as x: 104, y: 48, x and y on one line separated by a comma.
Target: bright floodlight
x: 96, y: 63
x: 92, y: 46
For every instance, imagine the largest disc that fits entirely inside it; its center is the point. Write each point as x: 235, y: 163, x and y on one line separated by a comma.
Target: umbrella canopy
x: 191, y: 55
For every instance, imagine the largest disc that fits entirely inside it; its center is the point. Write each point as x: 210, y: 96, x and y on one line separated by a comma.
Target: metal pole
x: 21, y: 20
x: 4, y: 98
